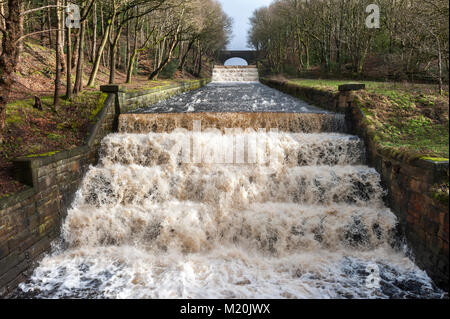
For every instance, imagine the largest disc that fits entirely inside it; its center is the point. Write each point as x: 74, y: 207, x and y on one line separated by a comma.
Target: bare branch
x: 37, y: 32
x: 41, y: 8
x: 88, y: 9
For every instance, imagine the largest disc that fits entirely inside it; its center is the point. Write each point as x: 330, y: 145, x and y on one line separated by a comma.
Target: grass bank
x: 412, y: 118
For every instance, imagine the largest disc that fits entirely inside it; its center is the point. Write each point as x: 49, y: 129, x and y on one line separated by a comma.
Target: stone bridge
x: 248, y: 55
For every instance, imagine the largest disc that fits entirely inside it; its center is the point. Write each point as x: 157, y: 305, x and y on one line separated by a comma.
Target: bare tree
x: 9, y: 57
x: 192, y: 31
x: 412, y: 39
x: 58, y: 57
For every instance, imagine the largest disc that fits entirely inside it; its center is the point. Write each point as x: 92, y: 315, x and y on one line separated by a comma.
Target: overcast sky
x: 241, y: 11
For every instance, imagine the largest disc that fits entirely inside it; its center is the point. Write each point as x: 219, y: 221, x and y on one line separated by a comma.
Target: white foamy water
x: 305, y: 224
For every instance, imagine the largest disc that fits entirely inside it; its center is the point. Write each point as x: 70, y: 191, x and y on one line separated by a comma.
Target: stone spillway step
x: 287, y: 122
x: 288, y: 149
x: 232, y: 185
x: 276, y: 227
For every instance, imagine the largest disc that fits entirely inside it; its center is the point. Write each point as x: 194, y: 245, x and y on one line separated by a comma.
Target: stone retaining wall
x: 325, y: 99
x: 30, y: 220
x: 409, y: 182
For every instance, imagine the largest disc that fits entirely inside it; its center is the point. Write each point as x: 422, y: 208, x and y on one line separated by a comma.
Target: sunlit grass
x: 408, y: 117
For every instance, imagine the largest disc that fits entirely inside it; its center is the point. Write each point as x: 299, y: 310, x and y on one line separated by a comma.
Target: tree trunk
x: 2, y: 12
x: 119, y: 56
x: 112, y: 57
x: 60, y: 34
x: 63, y: 36
x: 69, y: 64
x: 441, y: 91
x: 112, y: 64
x: 79, y: 72
x: 199, y: 67
x: 128, y: 49
x: 131, y: 66
x: 164, y: 62
x: 58, y: 61
x: 98, y: 57
x: 94, y: 32
x: 49, y: 24
x: 183, y: 59
x: 102, y: 30
x: 132, y: 57
x: 75, y: 47
x: 9, y: 57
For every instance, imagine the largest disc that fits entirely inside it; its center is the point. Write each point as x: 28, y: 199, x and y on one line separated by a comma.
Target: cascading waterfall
x: 253, y: 214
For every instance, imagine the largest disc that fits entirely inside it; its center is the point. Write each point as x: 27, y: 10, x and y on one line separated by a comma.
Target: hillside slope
x: 33, y: 131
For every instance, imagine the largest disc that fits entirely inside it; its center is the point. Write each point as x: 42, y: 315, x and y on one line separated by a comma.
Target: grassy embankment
x: 32, y: 132
x: 410, y: 118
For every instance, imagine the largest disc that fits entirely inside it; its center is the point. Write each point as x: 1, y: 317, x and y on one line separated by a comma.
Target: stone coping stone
x: 111, y: 88
x: 116, y: 88
x: 351, y: 87
x: 39, y: 161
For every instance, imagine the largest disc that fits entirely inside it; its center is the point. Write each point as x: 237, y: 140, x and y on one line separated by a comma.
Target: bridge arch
x: 248, y: 55
x: 236, y: 61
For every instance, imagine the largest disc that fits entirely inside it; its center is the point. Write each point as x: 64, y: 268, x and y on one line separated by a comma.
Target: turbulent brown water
x: 254, y: 214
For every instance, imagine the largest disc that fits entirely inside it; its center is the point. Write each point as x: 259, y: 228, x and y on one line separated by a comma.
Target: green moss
x: 367, y: 112
x: 358, y: 102
x: 41, y: 229
x: 48, y: 154
x: 28, y: 103
x: 5, y: 195
x: 377, y: 139
x: 99, y: 107
x: 434, y: 159
x: 54, y: 136
x: 149, y: 86
x: 441, y: 197
x: 14, y: 119
x: 35, y: 46
x: 440, y: 193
